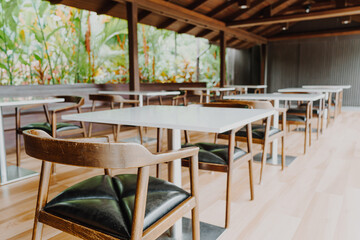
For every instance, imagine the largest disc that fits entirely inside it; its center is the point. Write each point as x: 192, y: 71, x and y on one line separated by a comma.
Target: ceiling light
x: 346, y: 20
x: 307, y: 8
x: 244, y: 4
x: 285, y: 27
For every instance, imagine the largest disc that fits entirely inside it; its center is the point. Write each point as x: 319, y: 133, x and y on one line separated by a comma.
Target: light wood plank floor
x: 316, y: 197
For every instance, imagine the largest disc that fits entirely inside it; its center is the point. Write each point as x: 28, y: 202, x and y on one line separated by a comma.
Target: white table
x: 327, y: 86
x: 276, y: 97
x: 246, y: 87
x: 208, y: 90
x: 176, y: 118
x: 14, y: 173
x: 328, y: 91
x: 332, y: 86
x: 141, y: 94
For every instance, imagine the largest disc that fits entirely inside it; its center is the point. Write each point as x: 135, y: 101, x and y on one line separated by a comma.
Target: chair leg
x: 263, y: 159
x: 283, y: 156
x: 318, y: 127
x: 305, y: 140
x: 158, y: 149
x: 215, y: 139
x: 251, y: 180
x: 141, y: 134
x: 18, y: 149
x: 310, y: 132
x: 195, y: 223
x: 90, y: 129
x: 116, y: 132
x: 41, y: 198
x: 228, y: 198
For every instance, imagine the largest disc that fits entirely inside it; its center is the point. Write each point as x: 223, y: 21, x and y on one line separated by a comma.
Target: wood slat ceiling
x: 243, y: 28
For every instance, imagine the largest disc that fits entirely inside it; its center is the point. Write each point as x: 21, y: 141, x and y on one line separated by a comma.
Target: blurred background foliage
x: 55, y: 44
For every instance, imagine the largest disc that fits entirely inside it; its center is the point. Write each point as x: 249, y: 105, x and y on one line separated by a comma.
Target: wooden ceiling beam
x: 297, y: 17
x: 203, y: 33
x: 192, y: 6
x: 332, y: 33
x: 276, y: 10
x: 255, y: 8
x: 143, y: 14
x: 106, y: 7
x: 171, y: 10
x: 341, y: 3
x: 315, y: 7
x: 212, y: 13
x: 55, y: 1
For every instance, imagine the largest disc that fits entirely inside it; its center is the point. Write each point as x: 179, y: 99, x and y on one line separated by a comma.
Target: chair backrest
x: 241, y: 104
x: 106, y: 98
x: 40, y: 145
x: 79, y: 101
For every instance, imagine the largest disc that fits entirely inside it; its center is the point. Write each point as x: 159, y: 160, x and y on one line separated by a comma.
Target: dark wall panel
x: 333, y: 60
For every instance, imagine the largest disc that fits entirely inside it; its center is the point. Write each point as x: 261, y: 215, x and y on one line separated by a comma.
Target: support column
x: 263, y: 53
x: 222, y: 59
x: 132, y: 17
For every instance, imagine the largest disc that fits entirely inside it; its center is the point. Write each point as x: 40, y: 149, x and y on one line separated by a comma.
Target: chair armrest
x: 62, y: 109
x: 176, y: 154
x: 26, y: 107
x: 179, y: 97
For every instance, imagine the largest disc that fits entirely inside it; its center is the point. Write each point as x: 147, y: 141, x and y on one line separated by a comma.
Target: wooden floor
x: 316, y: 197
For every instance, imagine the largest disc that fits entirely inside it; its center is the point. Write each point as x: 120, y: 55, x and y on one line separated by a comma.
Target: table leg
x: 276, y: 125
x: 174, y: 143
x: 336, y: 110
x: 207, y: 96
x: 141, y: 100
x: 246, y: 90
x: 2, y: 151
x: 10, y: 173
x: 341, y: 98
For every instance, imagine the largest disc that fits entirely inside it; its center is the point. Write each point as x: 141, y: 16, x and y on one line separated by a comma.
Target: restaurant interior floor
x: 316, y: 197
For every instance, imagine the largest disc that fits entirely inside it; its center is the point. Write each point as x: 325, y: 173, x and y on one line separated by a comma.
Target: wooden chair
x: 188, y: 94
x: 224, y: 158
x: 62, y: 129
x: 262, y: 134
x: 112, y: 100
x: 301, y: 119
x: 126, y: 206
x: 317, y: 112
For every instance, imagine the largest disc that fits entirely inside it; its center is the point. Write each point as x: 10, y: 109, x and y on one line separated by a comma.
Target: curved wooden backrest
x: 225, y: 105
x: 73, y: 99
x: 106, y: 98
x: 241, y: 103
x: 40, y: 145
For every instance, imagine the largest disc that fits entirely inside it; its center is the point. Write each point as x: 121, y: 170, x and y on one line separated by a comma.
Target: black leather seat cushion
x: 302, y: 111
x: 295, y: 118
x: 47, y: 127
x: 315, y: 104
x: 215, y: 153
x: 106, y: 203
x: 258, y: 131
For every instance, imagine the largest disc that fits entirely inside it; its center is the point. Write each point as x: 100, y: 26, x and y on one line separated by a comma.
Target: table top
x: 220, y: 89
x: 312, y: 90
x: 203, y: 119
x: 18, y: 101
x: 277, y: 96
x: 327, y: 86
x: 145, y: 93
x: 247, y: 86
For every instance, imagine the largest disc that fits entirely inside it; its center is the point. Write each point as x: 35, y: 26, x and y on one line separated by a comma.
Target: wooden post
x: 263, y: 63
x: 132, y: 16
x: 222, y: 59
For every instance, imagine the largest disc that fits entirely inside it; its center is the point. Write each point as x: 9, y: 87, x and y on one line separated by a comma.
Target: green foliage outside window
x: 55, y: 44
